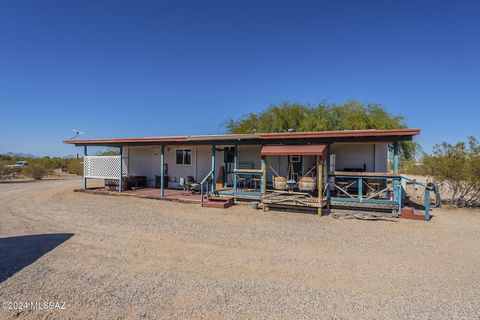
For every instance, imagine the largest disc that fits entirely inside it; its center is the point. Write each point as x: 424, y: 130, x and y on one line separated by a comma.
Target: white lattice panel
x: 104, y: 167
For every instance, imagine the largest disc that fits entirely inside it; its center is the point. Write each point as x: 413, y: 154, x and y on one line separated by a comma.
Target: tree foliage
x: 458, y: 166
x: 109, y: 152
x: 352, y: 115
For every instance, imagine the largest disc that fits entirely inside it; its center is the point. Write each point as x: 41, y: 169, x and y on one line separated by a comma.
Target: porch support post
x: 235, y: 166
x: 397, y: 182
x: 213, y: 167
x: 162, y: 173
x: 264, y: 175
x: 85, y: 153
x: 120, y: 181
x: 225, y: 169
x: 395, y: 156
x: 320, y: 183
x: 360, y: 188
x: 427, y: 204
x: 328, y: 179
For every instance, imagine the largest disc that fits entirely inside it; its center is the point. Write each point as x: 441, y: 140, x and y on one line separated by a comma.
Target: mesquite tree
x: 352, y: 115
x: 458, y: 167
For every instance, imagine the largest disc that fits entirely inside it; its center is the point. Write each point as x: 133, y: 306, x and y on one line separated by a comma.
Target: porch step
x: 219, y: 202
x: 412, y: 214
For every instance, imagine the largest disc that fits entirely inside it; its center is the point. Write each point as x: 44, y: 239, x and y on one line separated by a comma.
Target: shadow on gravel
x: 18, y: 252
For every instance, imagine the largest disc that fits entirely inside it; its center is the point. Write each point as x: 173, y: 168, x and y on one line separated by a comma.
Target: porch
x: 151, y: 193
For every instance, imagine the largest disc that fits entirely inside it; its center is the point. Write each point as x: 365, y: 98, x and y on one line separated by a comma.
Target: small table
x: 291, y: 184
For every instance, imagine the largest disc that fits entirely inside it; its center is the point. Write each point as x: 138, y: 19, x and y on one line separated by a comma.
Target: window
x: 183, y: 157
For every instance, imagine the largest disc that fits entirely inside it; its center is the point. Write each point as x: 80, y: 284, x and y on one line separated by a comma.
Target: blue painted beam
x: 360, y: 188
x: 235, y: 166
x: 213, y: 167
x: 395, y: 157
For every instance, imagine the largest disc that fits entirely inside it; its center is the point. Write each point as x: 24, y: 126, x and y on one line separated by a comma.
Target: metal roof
x: 399, y: 133
x: 301, y: 150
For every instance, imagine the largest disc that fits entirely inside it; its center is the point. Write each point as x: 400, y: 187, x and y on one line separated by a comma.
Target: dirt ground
x: 113, y: 257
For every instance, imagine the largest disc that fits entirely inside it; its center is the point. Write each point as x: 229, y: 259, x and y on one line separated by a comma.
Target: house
x: 302, y: 169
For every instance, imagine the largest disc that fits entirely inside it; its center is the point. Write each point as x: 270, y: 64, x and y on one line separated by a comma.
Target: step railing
x: 206, y: 181
x: 429, y: 187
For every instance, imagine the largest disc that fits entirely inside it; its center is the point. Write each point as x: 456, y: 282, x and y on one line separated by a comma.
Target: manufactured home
x: 311, y: 170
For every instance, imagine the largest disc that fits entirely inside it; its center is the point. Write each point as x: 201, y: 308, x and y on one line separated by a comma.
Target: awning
x: 294, y: 150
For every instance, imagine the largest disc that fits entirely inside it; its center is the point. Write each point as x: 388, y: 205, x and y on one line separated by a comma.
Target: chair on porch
x: 189, y: 184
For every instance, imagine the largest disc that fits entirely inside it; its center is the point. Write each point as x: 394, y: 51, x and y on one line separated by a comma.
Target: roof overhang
x: 300, y: 150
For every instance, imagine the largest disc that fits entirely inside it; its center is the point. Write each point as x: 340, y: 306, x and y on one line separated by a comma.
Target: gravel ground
x: 121, y: 257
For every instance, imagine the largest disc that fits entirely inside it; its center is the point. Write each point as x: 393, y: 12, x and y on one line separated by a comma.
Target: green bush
x: 5, y: 171
x: 75, y: 166
x: 36, y: 171
x: 414, y: 168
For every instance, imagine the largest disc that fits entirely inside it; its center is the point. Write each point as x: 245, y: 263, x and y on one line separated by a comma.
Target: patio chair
x: 191, y: 185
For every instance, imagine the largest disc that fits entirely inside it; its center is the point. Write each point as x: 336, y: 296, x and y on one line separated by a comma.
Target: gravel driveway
x: 120, y: 257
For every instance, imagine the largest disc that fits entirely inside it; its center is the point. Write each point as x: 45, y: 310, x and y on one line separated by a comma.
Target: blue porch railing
x: 205, y: 185
x: 371, y: 189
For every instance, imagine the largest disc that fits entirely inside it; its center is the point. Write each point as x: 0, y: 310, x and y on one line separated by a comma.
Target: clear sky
x: 147, y: 68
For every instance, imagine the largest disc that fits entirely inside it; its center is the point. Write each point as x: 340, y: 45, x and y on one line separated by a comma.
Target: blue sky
x: 146, y: 68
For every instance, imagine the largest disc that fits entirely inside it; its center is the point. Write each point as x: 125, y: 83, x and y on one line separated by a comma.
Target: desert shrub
x: 458, y: 167
x: 75, y: 166
x: 5, y: 171
x: 51, y: 163
x: 414, y: 168
x: 35, y: 171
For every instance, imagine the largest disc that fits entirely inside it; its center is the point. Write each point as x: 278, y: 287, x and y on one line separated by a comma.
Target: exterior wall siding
x: 145, y: 161
x: 374, y: 155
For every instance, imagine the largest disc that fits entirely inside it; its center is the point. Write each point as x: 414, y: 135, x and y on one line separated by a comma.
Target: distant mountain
x: 20, y: 155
